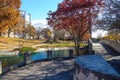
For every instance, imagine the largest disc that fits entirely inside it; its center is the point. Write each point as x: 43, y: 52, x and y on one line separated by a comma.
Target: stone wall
x: 112, y: 44
x: 85, y: 70
x: 9, y: 68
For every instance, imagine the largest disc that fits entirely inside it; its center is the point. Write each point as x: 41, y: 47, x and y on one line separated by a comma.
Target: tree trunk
x: 38, y: 36
x: 33, y: 37
x: 64, y: 37
x: 0, y: 34
x: 77, y: 42
x: 55, y: 39
x: 9, y: 30
x: 76, y: 46
x: 77, y: 50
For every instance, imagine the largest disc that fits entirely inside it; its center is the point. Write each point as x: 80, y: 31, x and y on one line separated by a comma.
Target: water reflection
x: 55, y: 54
x: 60, y: 53
x: 39, y: 55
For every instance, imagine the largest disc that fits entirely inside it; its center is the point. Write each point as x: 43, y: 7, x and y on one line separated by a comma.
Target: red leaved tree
x: 75, y: 16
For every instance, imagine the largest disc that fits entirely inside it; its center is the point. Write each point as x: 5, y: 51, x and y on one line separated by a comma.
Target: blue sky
x: 39, y: 8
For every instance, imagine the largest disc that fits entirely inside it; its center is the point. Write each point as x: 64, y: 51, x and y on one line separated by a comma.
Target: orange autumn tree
x: 9, y: 14
x: 75, y: 16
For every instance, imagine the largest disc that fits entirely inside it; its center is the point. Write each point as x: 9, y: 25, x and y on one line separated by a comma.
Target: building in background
x: 26, y: 16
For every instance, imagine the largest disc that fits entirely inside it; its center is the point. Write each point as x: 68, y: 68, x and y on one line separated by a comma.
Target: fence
x: 27, y: 60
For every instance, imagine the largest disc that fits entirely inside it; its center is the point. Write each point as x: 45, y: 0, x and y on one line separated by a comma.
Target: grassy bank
x: 10, y: 60
x: 11, y: 43
x: 60, y: 44
x: 8, y: 43
x: 16, y: 41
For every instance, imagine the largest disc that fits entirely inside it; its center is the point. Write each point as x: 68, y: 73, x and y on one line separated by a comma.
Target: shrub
x: 11, y: 60
x: 25, y: 49
x: 49, y: 41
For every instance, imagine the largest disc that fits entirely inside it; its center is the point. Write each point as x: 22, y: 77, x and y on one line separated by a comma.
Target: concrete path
x: 105, y: 51
x: 49, y: 70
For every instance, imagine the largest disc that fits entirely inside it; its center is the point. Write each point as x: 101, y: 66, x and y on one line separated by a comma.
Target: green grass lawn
x: 59, y: 44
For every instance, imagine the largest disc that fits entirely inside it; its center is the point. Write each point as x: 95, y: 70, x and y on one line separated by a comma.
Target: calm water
x: 55, y: 54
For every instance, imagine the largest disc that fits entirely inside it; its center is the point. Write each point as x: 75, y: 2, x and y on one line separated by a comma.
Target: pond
x: 55, y: 54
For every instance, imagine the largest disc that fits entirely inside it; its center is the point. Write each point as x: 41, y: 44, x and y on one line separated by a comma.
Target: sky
x: 39, y: 9
x: 99, y: 33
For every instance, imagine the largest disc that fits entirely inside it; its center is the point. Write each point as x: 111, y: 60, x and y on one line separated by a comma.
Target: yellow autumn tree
x: 9, y: 14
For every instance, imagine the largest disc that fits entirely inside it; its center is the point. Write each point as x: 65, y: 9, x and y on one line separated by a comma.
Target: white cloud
x: 40, y: 23
x: 99, y: 33
x: 43, y: 21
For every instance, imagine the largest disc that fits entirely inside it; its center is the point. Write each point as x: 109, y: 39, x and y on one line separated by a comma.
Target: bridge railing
x: 112, y: 44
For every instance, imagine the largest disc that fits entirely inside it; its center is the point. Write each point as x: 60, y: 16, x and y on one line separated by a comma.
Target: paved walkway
x: 49, y: 70
x: 105, y: 51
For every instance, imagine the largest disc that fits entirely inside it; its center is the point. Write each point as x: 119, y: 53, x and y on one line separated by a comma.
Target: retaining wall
x: 112, y: 44
x: 93, y: 67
